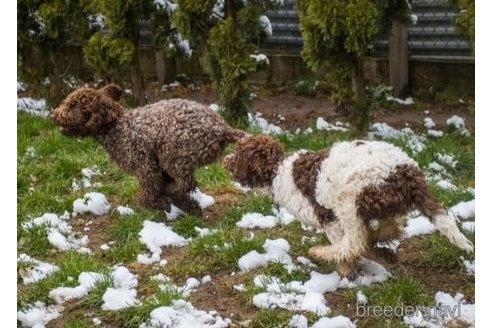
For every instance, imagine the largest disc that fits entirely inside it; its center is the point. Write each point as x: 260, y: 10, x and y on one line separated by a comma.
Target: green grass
x: 45, y: 185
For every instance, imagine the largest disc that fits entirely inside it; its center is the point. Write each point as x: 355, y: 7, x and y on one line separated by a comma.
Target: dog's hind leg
x: 151, y: 190
x: 180, y: 191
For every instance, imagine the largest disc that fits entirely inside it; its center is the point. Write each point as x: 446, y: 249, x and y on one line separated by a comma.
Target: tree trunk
x: 398, y: 59
x: 360, y: 111
x: 230, y: 9
x: 166, y: 68
x: 56, y: 88
x: 137, y: 80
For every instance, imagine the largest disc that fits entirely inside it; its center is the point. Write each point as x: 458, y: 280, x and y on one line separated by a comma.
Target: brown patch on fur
x: 402, y: 190
x: 359, y: 143
x: 305, y: 173
x: 255, y: 161
x: 113, y: 91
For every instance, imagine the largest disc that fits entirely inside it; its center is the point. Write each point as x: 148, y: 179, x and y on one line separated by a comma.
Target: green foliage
x: 336, y: 37
x: 465, y: 21
x: 226, y: 34
x: 107, y: 54
x: 44, y: 31
x: 229, y: 63
x: 306, y: 87
x: 381, y: 92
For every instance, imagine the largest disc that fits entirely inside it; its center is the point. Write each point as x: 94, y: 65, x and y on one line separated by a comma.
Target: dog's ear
x: 112, y: 91
x: 103, y: 112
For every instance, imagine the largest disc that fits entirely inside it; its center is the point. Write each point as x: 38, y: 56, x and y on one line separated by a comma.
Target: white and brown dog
x: 357, y: 192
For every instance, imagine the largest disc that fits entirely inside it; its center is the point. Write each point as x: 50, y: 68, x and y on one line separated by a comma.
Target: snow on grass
x: 407, y: 101
x: 463, y: 210
x: 174, y: 213
x: 38, y: 315
x: 123, y: 294
x: 33, y: 106
x: 156, y: 235
x: 65, y: 243
x: 308, y: 296
x: 321, y: 124
x: 203, y: 199
x: 93, y: 202
x: 361, y: 298
x: 50, y: 220
x: 339, y: 321
x: 182, y: 314
x: 435, y: 133
x: 36, y: 271
x: 447, y: 159
x: 446, y: 185
x: 87, y: 174
x: 298, y: 321
x: 59, y: 233
x: 447, y: 308
x: 382, y: 130
x: 275, y: 251
x: 258, y: 220
x: 429, y: 123
x: 260, y: 123
x: 205, y: 231
x: 240, y: 187
x: 87, y: 282
x: 124, y: 210
x: 418, y: 226
x: 458, y: 123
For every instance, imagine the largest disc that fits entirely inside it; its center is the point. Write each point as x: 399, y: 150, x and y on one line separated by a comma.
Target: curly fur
x: 113, y: 91
x: 364, y: 188
x: 161, y: 144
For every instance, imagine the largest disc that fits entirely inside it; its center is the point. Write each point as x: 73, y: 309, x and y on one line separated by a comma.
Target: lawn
x: 95, y: 256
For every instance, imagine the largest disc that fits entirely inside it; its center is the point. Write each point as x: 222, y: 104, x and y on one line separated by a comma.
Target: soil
x: 291, y: 111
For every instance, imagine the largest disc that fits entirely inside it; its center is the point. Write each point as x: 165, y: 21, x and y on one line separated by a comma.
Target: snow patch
x: 125, y: 211
x: 182, y: 314
x: 37, y: 270
x: 156, y: 235
x: 203, y: 200
x: 38, y: 315
x: 93, y: 202
x: 87, y: 282
x: 263, y: 125
x: 321, y: 124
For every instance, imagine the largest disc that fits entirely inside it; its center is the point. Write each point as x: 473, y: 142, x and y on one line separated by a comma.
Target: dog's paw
x: 319, y: 253
x: 346, y: 270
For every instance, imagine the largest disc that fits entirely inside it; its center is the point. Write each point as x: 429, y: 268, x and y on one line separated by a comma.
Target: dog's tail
x: 234, y: 135
x: 427, y: 204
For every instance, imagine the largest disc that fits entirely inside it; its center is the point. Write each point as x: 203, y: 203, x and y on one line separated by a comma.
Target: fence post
x: 398, y: 59
x: 165, y: 67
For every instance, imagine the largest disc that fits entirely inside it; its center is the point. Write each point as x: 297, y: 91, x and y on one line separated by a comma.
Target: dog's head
x: 85, y: 112
x: 255, y: 161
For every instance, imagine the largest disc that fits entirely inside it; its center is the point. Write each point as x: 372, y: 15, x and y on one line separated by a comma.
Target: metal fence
x: 434, y: 33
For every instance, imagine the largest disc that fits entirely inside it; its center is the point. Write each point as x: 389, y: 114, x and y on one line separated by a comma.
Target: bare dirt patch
x: 290, y: 111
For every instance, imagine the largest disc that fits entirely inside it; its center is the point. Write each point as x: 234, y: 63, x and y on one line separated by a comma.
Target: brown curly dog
x: 161, y: 144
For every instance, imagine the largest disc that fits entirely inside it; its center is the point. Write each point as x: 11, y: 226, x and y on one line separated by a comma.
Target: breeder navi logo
x: 427, y: 312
